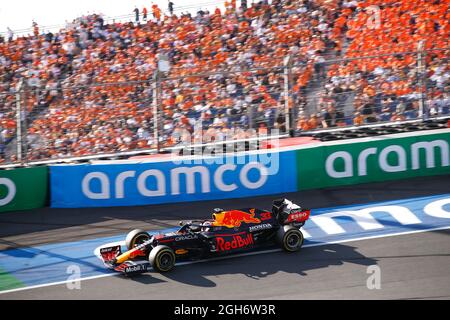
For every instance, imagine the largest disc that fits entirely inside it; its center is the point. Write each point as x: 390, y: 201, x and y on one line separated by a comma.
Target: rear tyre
x: 162, y: 258
x: 135, y: 238
x: 290, y: 238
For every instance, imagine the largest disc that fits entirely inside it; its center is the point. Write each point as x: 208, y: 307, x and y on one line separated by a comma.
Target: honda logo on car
x: 236, y: 243
x: 260, y: 227
x: 160, y: 187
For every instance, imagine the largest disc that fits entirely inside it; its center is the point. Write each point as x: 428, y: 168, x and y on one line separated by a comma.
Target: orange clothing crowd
x: 95, y: 80
x: 386, y: 87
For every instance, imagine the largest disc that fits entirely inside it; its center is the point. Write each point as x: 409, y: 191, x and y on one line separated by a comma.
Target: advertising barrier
x: 329, y: 164
x: 24, y: 188
x: 211, y: 178
x: 376, y: 159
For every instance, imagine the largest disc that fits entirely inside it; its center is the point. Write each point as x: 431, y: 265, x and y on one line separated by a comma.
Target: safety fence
x: 79, y: 118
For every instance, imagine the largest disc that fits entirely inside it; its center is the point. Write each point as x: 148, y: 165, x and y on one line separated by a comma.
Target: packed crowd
x: 94, y: 81
x: 386, y: 87
x: 84, y: 118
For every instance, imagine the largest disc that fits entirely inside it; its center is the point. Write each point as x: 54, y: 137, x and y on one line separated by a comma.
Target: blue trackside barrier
x: 98, y: 185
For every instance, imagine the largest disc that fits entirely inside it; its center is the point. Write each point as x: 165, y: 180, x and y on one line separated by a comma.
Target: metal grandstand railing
x: 40, y: 121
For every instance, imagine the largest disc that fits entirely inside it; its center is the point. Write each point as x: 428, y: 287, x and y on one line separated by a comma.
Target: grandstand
x: 92, y: 87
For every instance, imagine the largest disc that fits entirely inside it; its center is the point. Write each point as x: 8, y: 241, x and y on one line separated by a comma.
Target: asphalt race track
x: 412, y: 266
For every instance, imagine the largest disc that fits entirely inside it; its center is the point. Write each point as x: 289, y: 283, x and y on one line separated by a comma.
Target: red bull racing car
x: 229, y: 231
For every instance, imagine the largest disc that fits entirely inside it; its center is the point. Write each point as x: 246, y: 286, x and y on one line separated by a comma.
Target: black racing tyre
x: 162, y: 258
x: 290, y: 238
x: 136, y: 237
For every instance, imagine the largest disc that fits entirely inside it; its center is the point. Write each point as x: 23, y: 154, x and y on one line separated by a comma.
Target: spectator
x: 332, y: 117
x: 156, y: 12
x: 144, y: 14
x: 244, y: 5
x: 314, y: 122
x: 397, y: 117
x: 303, y: 123
x: 358, y: 119
x: 237, y: 50
x: 368, y: 108
x: 35, y: 29
x: 136, y: 14
x: 319, y: 66
x: 385, y: 113
x: 170, y: 6
x: 9, y: 34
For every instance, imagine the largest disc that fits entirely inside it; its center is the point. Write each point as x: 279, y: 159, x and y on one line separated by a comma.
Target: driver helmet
x: 216, y: 210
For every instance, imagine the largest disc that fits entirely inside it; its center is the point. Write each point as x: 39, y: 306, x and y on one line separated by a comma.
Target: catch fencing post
x: 163, y: 68
x: 19, y: 121
x: 287, y: 76
x: 421, y: 73
x: 155, y: 86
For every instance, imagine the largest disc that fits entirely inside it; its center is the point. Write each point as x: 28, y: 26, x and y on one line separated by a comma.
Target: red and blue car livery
x: 229, y: 231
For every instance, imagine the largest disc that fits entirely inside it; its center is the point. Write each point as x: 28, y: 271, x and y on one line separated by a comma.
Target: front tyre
x: 135, y: 238
x: 162, y: 258
x: 290, y: 238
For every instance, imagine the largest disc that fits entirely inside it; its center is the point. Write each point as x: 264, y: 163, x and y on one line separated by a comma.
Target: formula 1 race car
x: 227, y: 232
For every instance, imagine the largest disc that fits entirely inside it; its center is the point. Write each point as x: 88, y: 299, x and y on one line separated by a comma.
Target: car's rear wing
x: 288, y: 212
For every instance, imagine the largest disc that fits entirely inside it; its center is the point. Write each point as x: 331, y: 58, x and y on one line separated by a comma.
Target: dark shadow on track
x: 49, y: 225
x: 145, y: 278
x: 265, y: 265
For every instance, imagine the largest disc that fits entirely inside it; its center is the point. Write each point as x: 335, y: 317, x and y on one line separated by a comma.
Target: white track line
x: 230, y: 257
